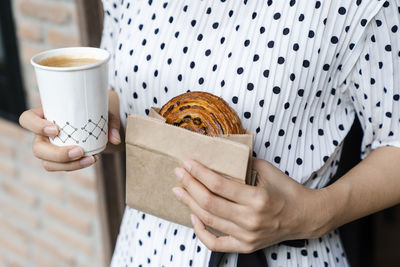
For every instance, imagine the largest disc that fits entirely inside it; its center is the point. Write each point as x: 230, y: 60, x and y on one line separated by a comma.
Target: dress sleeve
x: 110, y: 35
x: 374, y: 81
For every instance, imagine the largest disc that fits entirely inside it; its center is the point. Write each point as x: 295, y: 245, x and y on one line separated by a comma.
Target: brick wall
x: 46, y: 219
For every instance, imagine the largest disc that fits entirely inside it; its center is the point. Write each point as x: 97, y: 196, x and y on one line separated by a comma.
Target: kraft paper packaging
x: 154, y: 149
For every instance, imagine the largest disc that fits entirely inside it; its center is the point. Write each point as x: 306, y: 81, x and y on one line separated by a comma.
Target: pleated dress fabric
x: 296, y: 72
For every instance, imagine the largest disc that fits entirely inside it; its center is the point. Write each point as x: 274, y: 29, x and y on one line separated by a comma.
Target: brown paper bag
x: 154, y: 149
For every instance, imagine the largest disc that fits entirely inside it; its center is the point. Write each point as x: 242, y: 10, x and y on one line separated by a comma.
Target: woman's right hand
x: 60, y: 158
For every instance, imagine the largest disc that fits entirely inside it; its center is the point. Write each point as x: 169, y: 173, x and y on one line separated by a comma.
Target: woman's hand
x: 253, y: 217
x: 57, y: 158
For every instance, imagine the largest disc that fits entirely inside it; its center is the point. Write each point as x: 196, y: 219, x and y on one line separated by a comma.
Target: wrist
x: 329, y: 206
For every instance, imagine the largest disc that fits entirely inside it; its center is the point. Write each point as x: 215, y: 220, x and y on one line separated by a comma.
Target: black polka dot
x: 342, y: 10
x: 363, y: 22
x: 271, y: 118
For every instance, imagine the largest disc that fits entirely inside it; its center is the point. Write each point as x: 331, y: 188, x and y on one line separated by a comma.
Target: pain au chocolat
x: 203, y: 113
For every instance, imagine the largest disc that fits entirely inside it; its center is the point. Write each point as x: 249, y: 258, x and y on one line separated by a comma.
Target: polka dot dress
x: 297, y: 72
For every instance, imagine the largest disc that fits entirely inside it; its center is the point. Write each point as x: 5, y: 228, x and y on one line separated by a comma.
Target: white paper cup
x: 76, y: 98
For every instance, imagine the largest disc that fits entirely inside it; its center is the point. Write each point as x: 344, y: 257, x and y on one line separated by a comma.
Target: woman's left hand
x: 253, y: 217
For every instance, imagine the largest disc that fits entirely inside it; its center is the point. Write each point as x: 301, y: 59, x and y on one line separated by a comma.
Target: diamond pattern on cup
x: 95, y: 129
x: 67, y: 132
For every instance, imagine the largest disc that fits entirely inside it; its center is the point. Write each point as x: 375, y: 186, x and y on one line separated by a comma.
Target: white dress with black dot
x: 296, y: 72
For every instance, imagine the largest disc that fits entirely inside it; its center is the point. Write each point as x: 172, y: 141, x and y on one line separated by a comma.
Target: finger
x: 44, y: 150
x: 214, y: 243
x: 218, y: 184
x: 113, y: 129
x: 33, y: 120
x: 70, y: 166
x: 216, y: 222
x: 208, y: 201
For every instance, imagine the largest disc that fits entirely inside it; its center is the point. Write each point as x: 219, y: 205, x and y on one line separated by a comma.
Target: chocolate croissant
x: 203, y: 113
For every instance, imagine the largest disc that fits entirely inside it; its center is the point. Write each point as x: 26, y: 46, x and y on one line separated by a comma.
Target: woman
x: 297, y: 73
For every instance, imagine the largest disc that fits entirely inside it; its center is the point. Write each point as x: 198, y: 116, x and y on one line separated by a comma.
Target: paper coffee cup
x: 76, y: 98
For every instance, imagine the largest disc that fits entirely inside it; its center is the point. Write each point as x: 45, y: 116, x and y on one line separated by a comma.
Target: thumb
x: 113, y: 129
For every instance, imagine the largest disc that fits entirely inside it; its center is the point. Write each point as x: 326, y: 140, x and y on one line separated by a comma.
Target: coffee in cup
x: 67, y: 61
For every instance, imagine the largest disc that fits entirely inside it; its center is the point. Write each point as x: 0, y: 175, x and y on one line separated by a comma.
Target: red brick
x: 67, y: 217
x: 19, y: 193
x: 6, y: 148
x: 18, y: 233
x: 34, y: 97
x: 42, y: 246
x: 30, y: 31
x: 26, y: 216
x: 83, y: 204
x: 45, y: 11
x: 17, y: 247
x: 12, y: 130
x: 28, y: 51
x: 13, y: 263
x: 2, y: 259
x: 27, y: 157
x: 82, y: 180
x: 44, y: 182
x: 60, y: 38
x: 44, y: 261
x: 66, y: 237
x: 7, y: 167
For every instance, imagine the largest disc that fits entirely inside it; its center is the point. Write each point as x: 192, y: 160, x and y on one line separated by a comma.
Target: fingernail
x: 75, y: 153
x: 179, y: 172
x: 177, y: 192
x: 188, y: 165
x: 96, y: 157
x: 50, y: 130
x: 115, y: 135
x: 86, y: 161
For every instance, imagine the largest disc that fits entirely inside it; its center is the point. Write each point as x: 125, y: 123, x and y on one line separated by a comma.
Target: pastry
x: 203, y: 113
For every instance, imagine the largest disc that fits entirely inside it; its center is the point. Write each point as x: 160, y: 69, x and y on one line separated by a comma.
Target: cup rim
x: 56, y: 51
